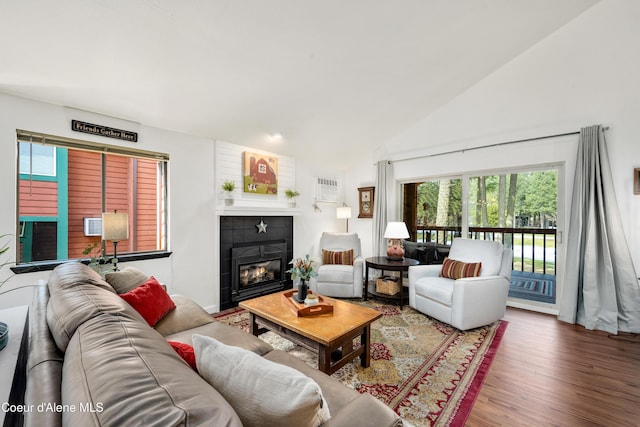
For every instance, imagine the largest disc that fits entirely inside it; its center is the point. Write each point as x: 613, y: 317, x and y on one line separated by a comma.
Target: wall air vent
x: 326, y: 189
x: 93, y: 226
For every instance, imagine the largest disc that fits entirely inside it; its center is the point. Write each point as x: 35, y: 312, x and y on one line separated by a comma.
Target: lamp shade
x: 396, y: 230
x: 343, y: 212
x: 115, y: 226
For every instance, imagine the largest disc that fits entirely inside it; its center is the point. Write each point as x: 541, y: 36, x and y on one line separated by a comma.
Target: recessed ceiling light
x: 276, y: 136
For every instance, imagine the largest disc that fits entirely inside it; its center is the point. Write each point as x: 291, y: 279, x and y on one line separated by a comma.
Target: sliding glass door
x: 520, y: 209
x: 516, y: 207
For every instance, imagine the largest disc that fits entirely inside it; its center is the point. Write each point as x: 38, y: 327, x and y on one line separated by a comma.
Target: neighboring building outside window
x: 63, y: 190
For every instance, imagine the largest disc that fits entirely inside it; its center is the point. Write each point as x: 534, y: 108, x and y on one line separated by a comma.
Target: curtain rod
x: 497, y: 144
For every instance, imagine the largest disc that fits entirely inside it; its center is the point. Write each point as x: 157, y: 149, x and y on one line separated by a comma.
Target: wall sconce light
x: 315, y: 206
x: 344, y: 212
x: 115, y: 227
x: 395, y: 232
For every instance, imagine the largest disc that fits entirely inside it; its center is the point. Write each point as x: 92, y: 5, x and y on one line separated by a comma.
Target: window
x: 37, y: 159
x: 434, y: 209
x: 64, y: 183
x: 520, y: 209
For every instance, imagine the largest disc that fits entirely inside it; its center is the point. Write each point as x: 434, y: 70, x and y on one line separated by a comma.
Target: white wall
x: 191, y: 194
x: 586, y: 73
x: 293, y: 173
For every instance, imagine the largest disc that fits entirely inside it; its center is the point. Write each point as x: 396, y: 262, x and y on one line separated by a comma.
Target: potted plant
x: 228, y: 187
x: 303, y: 269
x: 96, y: 259
x: 291, y: 197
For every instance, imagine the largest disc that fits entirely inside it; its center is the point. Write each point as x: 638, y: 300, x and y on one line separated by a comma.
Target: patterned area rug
x: 428, y: 372
x: 533, y: 286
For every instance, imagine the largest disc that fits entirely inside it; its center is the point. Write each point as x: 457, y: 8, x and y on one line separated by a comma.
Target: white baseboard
x: 532, y: 306
x: 211, y: 309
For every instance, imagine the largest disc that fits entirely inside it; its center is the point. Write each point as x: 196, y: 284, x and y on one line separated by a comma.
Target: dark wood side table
x: 384, y: 264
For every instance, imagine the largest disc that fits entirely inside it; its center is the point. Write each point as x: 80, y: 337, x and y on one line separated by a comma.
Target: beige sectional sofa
x: 95, y: 361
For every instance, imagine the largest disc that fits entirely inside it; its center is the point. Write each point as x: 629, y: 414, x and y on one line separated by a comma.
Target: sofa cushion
x: 262, y: 392
x: 150, y: 300
x: 187, y: 314
x: 226, y: 334
x: 185, y: 351
x: 334, y: 392
x: 337, y: 257
x: 131, y: 376
x: 126, y: 279
x: 335, y: 273
x: 77, y: 294
x: 453, y: 269
x: 348, y: 407
x: 437, y: 289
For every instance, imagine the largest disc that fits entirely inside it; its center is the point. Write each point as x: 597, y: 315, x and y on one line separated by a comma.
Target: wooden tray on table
x: 299, y: 309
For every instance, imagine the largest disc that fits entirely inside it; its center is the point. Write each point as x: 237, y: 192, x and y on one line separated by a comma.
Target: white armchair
x: 468, y: 302
x: 340, y: 280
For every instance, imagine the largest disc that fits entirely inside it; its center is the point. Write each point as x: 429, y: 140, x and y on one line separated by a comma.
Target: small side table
x: 13, y: 363
x: 384, y: 264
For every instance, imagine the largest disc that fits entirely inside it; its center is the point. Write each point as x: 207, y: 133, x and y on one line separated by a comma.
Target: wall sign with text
x: 105, y: 131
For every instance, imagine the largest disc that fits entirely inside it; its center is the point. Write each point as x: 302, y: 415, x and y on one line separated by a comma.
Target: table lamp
x: 344, y: 212
x: 115, y: 227
x: 395, y: 233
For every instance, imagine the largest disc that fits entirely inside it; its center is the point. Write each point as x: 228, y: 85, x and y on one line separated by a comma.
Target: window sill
x: 50, y: 265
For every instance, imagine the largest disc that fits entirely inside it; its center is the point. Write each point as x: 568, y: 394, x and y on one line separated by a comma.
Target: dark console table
x: 13, y: 365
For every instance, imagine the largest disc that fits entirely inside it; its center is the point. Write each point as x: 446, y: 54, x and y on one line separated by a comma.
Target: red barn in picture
x: 260, y: 173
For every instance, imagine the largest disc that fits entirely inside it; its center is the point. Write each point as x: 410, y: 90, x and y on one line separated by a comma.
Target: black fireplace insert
x: 257, y: 270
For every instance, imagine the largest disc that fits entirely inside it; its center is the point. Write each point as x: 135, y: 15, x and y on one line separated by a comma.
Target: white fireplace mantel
x: 257, y: 211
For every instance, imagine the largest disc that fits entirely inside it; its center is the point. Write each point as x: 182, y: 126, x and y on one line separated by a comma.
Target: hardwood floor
x: 550, y: 373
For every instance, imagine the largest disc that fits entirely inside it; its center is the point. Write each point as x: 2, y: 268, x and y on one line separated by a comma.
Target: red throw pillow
x: 457, y: 269
x: 186, y: 352
x: 150, y: 300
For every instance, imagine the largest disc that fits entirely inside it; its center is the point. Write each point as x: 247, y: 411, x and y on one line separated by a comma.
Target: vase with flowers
x: 97, y: 261
x: 303, y: 269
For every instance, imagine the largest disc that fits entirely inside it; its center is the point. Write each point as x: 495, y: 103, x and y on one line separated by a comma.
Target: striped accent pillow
x: 337, y: 257
x: 453, y: 269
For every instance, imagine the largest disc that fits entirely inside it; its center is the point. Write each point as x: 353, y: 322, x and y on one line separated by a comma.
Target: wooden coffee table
x: 323, y: 333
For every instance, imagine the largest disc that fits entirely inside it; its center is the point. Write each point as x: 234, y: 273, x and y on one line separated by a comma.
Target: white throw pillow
x: 263, y: 393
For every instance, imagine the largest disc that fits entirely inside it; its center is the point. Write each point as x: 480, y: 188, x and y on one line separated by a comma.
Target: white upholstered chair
x: 469, y: 302
x: 339, y: 280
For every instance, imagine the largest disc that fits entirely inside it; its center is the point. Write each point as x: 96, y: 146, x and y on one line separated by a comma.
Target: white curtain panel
x: 600, y: 286
x: 380, y: 207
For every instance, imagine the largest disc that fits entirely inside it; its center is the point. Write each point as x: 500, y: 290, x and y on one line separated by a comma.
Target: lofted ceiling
x: 333, y: 76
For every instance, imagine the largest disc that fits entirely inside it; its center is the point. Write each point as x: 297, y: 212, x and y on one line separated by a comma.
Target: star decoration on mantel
x: 262, y: 227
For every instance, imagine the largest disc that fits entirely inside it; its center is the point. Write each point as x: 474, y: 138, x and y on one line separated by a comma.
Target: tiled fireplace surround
x: 244, y: 238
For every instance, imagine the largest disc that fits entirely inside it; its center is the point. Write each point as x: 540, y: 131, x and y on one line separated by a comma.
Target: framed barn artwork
x: 260, y: 173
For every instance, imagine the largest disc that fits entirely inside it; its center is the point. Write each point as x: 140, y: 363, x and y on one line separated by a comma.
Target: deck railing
x: 534, y: 249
